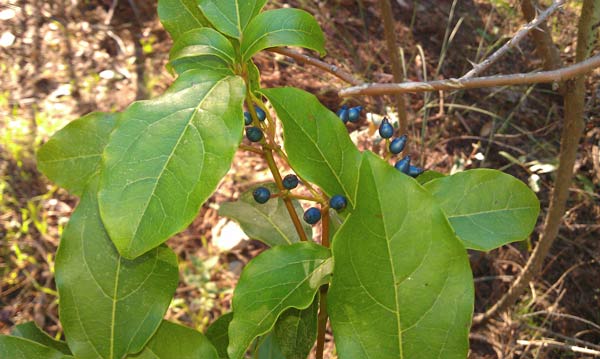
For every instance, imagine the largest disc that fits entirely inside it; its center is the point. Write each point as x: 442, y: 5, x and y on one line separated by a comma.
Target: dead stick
x: 332, y: 69
x: 376, y: 89
x: 513, y: 42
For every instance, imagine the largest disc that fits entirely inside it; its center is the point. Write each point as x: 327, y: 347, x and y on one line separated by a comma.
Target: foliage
x: 397, y: 271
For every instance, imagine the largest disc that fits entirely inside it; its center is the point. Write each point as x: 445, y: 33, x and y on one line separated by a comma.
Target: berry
x: 354, y: 113
x: 343, y: 114
x: 397, y: 145
x: 403, y: 165
x: 254, y: 134
x: 385, y: 129
x: 247, y: 118
x: 415, y: 171
x: 260, y: 113
x: 312, y: 215
x: 290, y: 181
x: 338, y: 202
x: 261, y: 194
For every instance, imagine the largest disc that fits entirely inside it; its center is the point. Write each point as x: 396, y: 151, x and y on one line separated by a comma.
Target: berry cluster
x: 311, y: 215
x: 337, y: 202
x: 253, y: 133
x: 351, y: 114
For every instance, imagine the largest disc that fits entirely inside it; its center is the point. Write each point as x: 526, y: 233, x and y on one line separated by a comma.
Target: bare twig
x: 549, y: 343
x: 514, y: 41
x: 376, y: 89
x: 545, y: 46
x: 392, y: 47
x: 305, y: 59
x: 571, y: 134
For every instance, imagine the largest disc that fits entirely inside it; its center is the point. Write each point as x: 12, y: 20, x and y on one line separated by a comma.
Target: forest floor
x: 62, y: 59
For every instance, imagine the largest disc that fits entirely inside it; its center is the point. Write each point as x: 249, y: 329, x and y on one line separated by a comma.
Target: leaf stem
x: 268, y: 155
x: 323, y: 316
x: 251, y: 149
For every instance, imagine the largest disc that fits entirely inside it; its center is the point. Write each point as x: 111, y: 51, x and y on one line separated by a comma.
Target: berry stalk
x: 268, y: 155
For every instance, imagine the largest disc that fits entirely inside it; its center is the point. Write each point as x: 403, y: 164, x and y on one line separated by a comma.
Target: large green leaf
x: 32, y: 332
x: 73, y: 155
x: 269, y: 223
x: 282, y: 27
x: 175, y: 341
x: 268, y: 348
x: 199, y: 45
x: 316, y: 141
x: 109, y: 306
x: 21, y: 348
x: 402, y: 286
x: 486, y: 208
x: 296, y: 331
x: 231, y: 16
x: 429, y: 176
x: 280, y: 278
x: 218, y: 335
x: 180, y: 16
x: 167, y: 157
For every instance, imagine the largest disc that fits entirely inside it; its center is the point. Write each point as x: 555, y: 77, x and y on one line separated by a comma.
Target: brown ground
x: 69, y: 58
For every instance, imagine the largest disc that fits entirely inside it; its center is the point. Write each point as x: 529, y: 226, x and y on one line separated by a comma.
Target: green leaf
x: 296, y: 331
x: 282, y: 27
x: 180, y: 16
x: 32, y: 332
x: 198, y: 45
x: 317, y: 142
x: 429, y: 176
x: 269, y: 349
x: 176, y: 341
x: 231, y: 16
x: 269, y: 223
x: 73, y: 155
x: 217, y: 334
x: 402, y: 286
x: 167, y: 157
x: 280, y: 278
x: 21, y: 348
x: 486, y: 208
x: 109, y: 306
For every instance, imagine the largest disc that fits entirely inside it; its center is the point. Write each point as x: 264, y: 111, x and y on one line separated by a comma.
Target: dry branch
x: 572, y: 130
x: 332, y: 69
x: 513, y: 42
x: 376, y: 89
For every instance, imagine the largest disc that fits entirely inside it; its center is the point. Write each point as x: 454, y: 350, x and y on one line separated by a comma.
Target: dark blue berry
x: 385, y: 129
x: 415, y: 171
x: 343, y: 114
x: 354, y: 113
x: 312, y: 215
x: 338, y: 202
x: 261, y: 194
x: 254, y: 134
x: 290, y: 181
x: 247, y: 118
x: 260, y: 113
x: 397, y: 145
x: 403, y: 165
